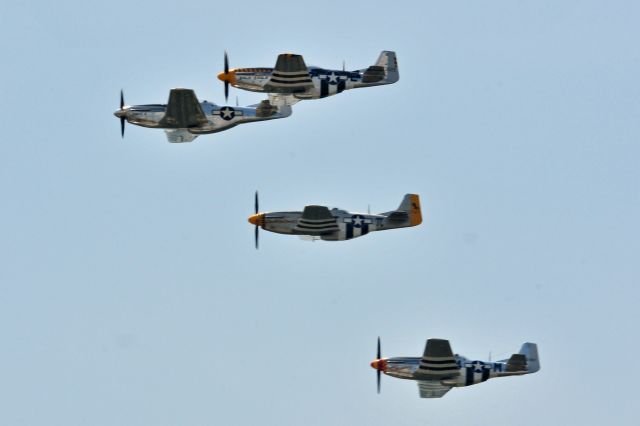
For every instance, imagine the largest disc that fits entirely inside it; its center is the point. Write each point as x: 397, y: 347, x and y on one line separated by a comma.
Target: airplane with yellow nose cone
x: 292, y: 78
x: 439, y: 369
x: 320, y: 222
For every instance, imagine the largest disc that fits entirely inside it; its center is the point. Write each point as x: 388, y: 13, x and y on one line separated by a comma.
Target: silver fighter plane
x: 439, y: 369
x: 291, y: 77
x: 320, y: 222
x: 183, y: 118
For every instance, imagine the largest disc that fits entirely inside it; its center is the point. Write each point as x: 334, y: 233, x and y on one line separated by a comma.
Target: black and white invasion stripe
x: 438, y: 366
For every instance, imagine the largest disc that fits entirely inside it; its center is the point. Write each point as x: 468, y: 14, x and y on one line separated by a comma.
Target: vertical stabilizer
x: 411, y: 205
x: 530, y: 351
x: 388, y: 61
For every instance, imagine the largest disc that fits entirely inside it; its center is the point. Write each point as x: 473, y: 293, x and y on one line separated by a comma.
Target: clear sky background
x: 130, y: 291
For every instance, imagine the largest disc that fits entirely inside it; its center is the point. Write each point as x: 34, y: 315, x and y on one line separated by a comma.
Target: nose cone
x: 121, y: 113
x: 229, y: 77
x: 257, y: 219
x: 379, y: 364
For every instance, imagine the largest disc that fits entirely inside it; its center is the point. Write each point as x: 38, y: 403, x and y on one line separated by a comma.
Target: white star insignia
x: 226, y: 113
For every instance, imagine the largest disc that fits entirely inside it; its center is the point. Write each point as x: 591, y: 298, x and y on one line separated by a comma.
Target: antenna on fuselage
x: 343, y: 65
x: 368, y: 208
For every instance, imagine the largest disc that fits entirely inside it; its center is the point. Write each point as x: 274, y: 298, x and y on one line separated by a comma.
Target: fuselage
x: 349, y: 225
x: 218, y: 117
x: 325, y: 82
x: 471, y: 371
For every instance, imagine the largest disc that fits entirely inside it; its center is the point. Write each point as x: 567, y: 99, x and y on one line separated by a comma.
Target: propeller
x: 378, y: 372
x: 257, y: 232
x: 122, y: 117
x: 226, y: 73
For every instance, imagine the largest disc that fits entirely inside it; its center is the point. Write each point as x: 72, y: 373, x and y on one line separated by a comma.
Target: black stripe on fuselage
x: 451, y: 367
x: 280, y: 75
x: 469, y: 376
x: 349, y: 231
x: 440, y: 361
x: 324, y: 88
x: 318, y: 220
x: 485, y: 374
x: 318, y: 228
x: 342, y: 84
x: 277, y: 80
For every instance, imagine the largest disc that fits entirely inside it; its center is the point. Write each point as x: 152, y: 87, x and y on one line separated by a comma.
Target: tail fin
x: 384, y: 71
x: 411, y: 205
x: 530, y: 351
x: 389, y: 62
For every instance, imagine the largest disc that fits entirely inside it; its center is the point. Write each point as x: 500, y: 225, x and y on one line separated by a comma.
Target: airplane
x: 439, y: 369
x: 184, y: 117
x: 318, y: 222
x: 291, y: 77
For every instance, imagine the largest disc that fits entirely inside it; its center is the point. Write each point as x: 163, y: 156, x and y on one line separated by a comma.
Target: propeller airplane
x: 439, y: 369
x: 184, y: 117
x: 291, y: 77
x: 318, y: 222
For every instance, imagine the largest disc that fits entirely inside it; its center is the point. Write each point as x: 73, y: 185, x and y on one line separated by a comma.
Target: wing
x: 432, y: 389
x: 183, y: 110
x: 280, y: 100
x: 438, y: 361
x: 316, y: 220
x: 180, y: 135
x: 290, y: 75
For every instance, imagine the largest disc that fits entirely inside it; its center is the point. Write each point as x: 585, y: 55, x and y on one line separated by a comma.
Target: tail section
x: 411, y: 205
x: 385, y: 70
x: 530, y: 351
x: 407, y: 214
x: 389, y: 62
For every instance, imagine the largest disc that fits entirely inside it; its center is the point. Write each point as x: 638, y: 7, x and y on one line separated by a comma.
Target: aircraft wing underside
x: 316, y: 220
x: 432, y: 389
x: 179, y: 135
x: 183, y: 110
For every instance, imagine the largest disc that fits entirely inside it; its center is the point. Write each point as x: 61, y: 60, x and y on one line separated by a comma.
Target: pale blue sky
x: 130, y: 291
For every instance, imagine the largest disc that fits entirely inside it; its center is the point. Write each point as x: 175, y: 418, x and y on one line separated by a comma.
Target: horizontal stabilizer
x: 516, y: 363
x: 398, y: 216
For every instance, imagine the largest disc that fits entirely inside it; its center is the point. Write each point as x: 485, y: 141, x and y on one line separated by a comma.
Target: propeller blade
x: 122, y: 119
x: 378, y: 373
x: 257, y: 209
x: 256, y: 235
x: 256, y: 203
x: 226, y: 72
